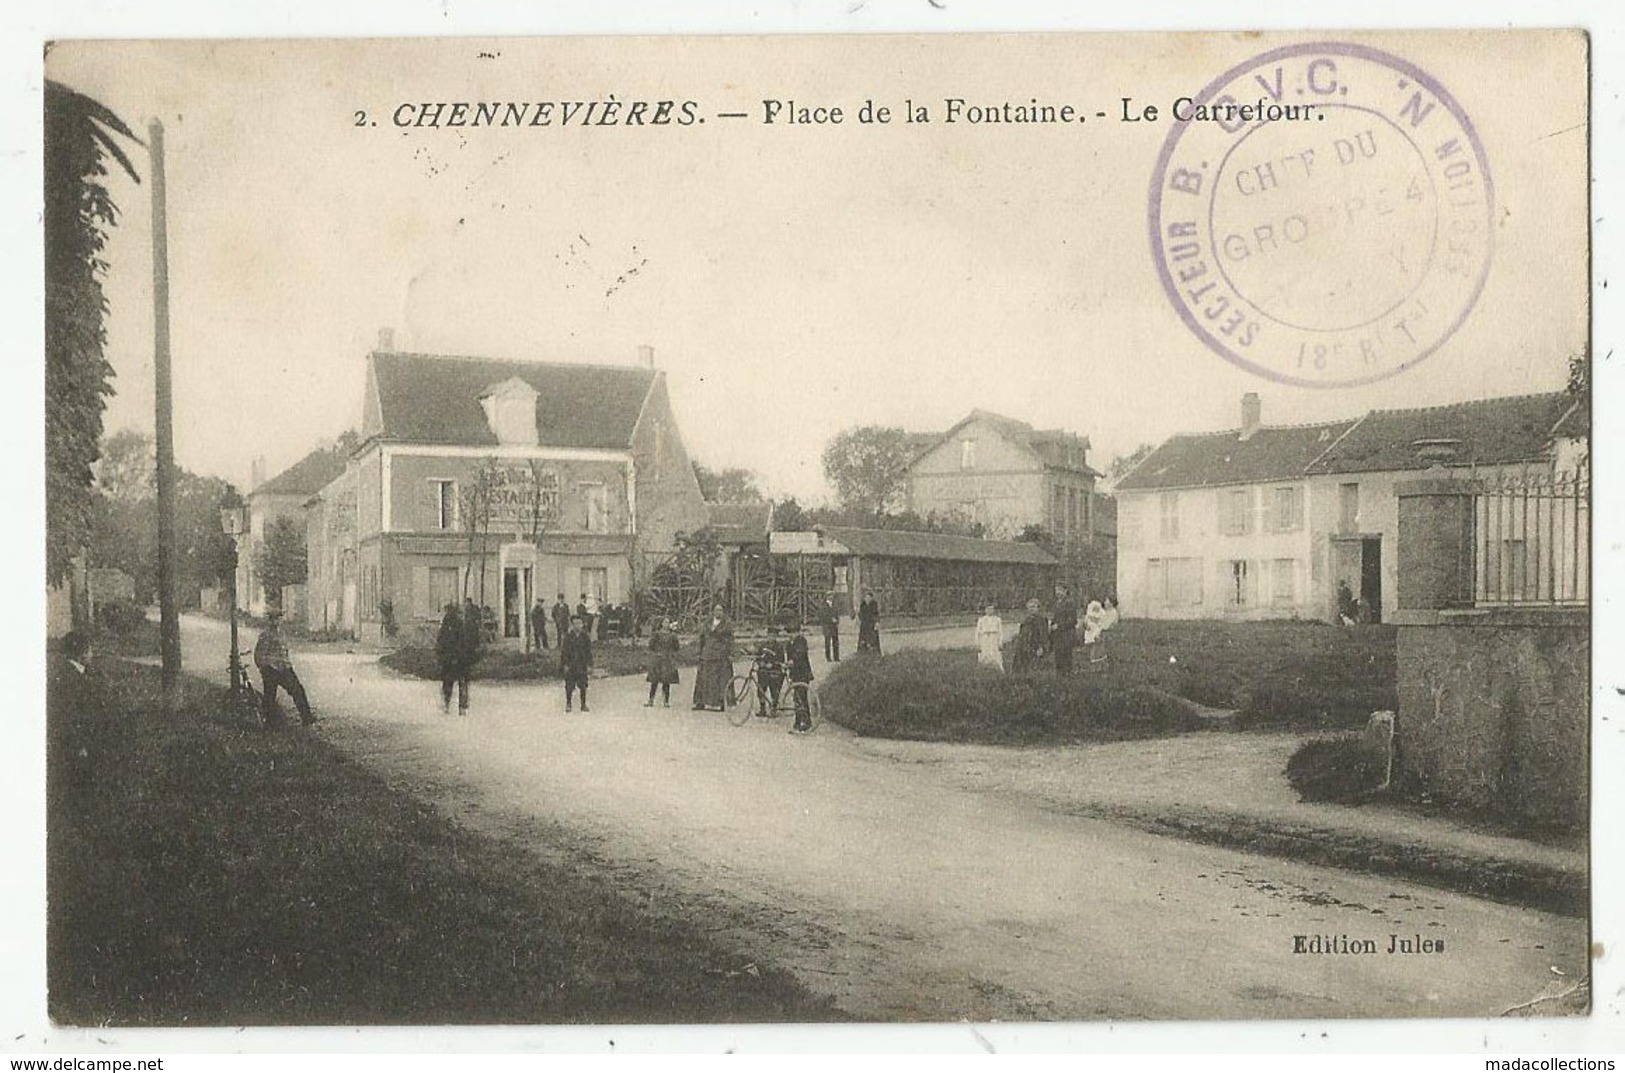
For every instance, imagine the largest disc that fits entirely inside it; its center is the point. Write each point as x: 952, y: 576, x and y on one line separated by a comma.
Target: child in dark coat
x: 575, y: 660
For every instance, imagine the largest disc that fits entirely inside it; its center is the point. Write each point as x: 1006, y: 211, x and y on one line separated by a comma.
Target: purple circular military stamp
x: 1322, y: 214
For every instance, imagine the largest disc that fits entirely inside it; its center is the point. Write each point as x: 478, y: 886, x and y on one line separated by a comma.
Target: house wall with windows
x: 1006, y: 475
x: 1240, y: 551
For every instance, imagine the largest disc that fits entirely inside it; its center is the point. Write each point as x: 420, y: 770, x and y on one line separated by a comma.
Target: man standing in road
x: 561, y: 618
x: 276, y: 672
x: 801, y: 677
x: 473, y: 642
x: 830, y: 618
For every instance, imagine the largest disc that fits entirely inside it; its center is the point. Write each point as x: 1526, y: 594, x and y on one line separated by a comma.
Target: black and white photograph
x: 744, y: 530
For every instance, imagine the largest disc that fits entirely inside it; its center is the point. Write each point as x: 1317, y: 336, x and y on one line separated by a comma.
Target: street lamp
x: 232, y: 523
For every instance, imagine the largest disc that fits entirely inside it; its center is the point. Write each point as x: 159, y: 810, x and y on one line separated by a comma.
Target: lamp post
x: 231, y: 523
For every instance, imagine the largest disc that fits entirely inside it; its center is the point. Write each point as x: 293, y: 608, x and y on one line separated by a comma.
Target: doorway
x: 1357, y: 578
x: 1371, y: 579
x: 515, y: 601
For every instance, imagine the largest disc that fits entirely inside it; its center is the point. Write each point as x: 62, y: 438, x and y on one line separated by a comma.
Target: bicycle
x: 745, y: 700
x: 245, y: 699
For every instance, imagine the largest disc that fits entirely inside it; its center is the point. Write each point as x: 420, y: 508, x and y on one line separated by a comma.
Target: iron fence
x: 1532, y: 540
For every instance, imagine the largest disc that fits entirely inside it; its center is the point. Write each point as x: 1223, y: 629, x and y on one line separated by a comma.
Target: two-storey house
x: 503, y: 482
x: 1006, y: 475
x: 1301, y: 521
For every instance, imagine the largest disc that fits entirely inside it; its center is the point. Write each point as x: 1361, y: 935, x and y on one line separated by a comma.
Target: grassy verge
x: 947, y: 696
x: 204, y: 872
x: 504, y: 664
x: 1299, y: 674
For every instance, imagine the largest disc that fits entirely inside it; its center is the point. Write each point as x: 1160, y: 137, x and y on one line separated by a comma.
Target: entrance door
x: 1371, y: 579
x: 513, y: 603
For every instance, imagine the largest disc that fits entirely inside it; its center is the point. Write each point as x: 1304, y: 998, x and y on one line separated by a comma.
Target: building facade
x: 502, y: 482
x: 1301, y: 521
x: 283, y: 497
x: 1005, y: 475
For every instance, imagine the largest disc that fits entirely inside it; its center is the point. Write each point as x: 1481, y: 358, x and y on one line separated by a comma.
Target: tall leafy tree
x: 868, y: 465
x: 81, y: 136
x: 734, y: 484
x: 280, y: 560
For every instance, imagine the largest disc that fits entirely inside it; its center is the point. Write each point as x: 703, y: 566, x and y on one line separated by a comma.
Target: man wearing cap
x: 276, y: 672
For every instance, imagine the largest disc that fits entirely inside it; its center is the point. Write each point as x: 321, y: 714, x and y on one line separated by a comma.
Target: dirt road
x: 905, y: 894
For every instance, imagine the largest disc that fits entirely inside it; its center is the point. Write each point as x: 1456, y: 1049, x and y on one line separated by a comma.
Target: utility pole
x: 169, y: 613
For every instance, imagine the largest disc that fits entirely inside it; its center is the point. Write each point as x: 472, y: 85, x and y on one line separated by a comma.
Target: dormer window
x: 510, y: 411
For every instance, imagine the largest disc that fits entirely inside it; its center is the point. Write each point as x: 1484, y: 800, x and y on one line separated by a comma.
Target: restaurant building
x: 502, y: 482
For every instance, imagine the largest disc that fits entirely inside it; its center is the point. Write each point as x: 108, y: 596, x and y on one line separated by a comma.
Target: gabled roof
x: 307, y: 476
x: 435, y: 399
x: 1485, y: 432
x: 904, y: 544
x: 741, y: 523
x: 1054, y: 447
x: 1209, y: 459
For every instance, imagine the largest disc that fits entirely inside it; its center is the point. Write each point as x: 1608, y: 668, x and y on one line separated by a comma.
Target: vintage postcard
x: 649, y: 530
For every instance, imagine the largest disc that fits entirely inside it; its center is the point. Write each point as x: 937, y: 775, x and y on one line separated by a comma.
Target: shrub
x: 948, y: 696
x: 1341, y: 769
x: 120, y: 617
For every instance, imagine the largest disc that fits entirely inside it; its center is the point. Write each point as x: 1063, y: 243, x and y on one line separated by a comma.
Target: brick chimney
x: 646, y: 356
x: 256, y: 473
x: 386, y: 340
x: 1252, y: 415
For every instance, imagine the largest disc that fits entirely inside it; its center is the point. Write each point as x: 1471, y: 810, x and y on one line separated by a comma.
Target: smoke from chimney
x: 1252, y: 414
x: 386, y: 340
x: 646, y: 356
x: 256, y: 473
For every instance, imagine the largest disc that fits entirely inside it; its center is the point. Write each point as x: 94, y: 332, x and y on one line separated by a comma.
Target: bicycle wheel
x: 741, y: 699
x: 815, y: 707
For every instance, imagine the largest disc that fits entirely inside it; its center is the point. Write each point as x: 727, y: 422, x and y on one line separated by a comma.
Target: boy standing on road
x: 800, y: 675
x: 769, y: 672
x: 575, y: 659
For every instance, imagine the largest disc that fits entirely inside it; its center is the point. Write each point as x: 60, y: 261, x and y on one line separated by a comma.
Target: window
x: 1284, y: 582
x: 597, y: 503
x: 1235, y: 513
x: 1286, y: 515
x: 445, y: 503
x: 1348, y: 508
x: 1170, y: 515
x: 1174, y: 582
x: 967, y: 454
x: 1238, y: 589
x: 595, y: 581
x: 443, y: 589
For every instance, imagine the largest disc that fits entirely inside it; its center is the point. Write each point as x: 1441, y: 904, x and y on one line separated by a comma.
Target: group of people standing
x: 460, y: 642
x: 1056, y: 633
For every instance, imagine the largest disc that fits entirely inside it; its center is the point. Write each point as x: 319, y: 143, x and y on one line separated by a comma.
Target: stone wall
x: 1494, y: 713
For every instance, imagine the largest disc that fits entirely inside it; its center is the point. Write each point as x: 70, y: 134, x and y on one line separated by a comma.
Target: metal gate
x: 780, y: 589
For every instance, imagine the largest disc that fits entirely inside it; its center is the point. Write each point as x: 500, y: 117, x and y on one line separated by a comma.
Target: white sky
x: 792, y: 280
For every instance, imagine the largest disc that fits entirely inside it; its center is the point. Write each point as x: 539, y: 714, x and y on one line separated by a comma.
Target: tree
x: 1121, y: 464
x: 280, y: 558
x: 868, y: 465
x: 788, y: 516
x: 79, y: 139
x: 733, y: 485
x: 1579, y: 384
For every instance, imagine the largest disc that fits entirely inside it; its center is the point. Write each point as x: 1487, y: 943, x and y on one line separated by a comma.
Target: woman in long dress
x: 716, y: 667
x: 990, y: 639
